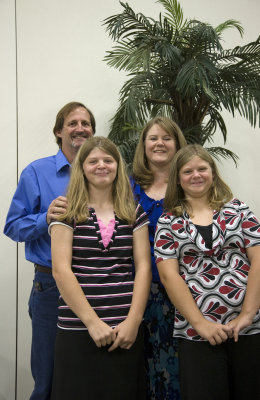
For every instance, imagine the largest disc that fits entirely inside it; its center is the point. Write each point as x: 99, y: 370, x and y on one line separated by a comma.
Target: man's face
x: 76, y: 129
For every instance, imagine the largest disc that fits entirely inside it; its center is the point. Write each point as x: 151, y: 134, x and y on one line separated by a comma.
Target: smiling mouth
x: 79, y: 137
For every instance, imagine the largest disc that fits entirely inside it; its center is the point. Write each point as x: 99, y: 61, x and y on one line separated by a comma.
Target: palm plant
x: 178, y: 68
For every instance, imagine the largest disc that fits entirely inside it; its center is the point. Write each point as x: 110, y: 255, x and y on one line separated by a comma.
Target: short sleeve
x: 250, y: 226
x: 64, y: 223
x: 141, y: 218
x: 165, y: 244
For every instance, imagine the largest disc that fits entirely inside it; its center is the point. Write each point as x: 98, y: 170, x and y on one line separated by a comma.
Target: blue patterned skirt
x: 160, y: 347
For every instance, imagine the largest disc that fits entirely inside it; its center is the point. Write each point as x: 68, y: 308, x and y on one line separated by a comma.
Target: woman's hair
x: 78, y: 192
x: 141, y: 171
x: 175, y: 202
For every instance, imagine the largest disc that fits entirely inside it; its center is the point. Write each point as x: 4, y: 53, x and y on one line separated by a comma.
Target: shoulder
x: 136, y: 188
x: 139, y: 212
x: 64, y: 223
x: 43, y: 161
x: 33, y: 171
x: 141, y: 217
x: 235, y: 205
x: 168, y: 217
x: 40, y: 163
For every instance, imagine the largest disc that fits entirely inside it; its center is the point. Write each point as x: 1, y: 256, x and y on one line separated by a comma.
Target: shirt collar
x: 61, y: 161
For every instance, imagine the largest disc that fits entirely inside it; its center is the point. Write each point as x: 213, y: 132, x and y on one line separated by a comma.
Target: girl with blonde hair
x: 207, y: 248
x: 99, y: 346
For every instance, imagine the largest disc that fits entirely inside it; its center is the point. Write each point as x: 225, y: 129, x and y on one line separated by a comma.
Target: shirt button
x: 158, y: 204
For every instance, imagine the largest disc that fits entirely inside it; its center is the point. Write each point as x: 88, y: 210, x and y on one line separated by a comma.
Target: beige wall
x: 8, y: 162
x: 60, y: 46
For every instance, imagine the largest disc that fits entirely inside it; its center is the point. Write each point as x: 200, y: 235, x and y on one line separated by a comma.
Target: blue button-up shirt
x: 41, y: 182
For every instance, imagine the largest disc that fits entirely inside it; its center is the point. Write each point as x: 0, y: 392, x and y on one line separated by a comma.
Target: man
x: 38, y: 199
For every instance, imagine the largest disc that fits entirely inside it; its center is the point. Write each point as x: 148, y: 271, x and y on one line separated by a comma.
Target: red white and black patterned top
x: 104, y: 273
x: 216, y: 277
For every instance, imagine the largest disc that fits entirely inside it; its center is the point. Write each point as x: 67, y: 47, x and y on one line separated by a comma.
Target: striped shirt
x: 104, y: 273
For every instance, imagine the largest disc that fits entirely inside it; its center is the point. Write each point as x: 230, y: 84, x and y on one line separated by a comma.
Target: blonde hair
x: 141, y: 171
x: 78, y: 193
x: 175, y: 201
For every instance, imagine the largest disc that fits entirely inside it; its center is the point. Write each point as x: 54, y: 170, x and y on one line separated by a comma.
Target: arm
x: 24, y: 222
x: 181, y: 297
x: 61, y: 247
x: 127, y: 330
x: 251, y: 302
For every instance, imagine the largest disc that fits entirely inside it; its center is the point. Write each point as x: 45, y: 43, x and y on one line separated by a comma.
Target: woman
x: 207, y: 250
x: 158, y: 143
x: 99, y: 346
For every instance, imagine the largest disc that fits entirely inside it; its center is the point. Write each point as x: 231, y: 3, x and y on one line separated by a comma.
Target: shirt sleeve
x: 250, y: 226
x: 64, y: 223
x: 141, y: 218
x: 24, y: 222
x: 164, y: 242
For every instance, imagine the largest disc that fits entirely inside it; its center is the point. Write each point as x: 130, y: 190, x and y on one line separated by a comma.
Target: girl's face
x: 196, y: 177
x: 100, y: 168
x: 160, y: 146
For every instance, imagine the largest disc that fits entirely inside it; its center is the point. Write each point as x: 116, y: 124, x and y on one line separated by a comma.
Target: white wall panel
x: 8, y: 277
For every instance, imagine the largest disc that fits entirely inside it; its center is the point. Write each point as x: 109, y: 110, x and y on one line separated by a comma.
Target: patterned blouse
x: 103, y: 272
x: 216, y: 277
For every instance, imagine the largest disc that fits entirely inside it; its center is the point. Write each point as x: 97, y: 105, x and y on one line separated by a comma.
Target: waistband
x: 41, y: 268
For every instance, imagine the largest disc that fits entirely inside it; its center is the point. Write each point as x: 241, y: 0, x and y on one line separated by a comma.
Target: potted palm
x: 179, y: 68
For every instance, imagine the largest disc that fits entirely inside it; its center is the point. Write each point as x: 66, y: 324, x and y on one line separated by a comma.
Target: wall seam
x: 16, y: 78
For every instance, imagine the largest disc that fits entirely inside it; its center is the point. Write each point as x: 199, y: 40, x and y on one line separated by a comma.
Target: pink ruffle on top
x: 106, y: 231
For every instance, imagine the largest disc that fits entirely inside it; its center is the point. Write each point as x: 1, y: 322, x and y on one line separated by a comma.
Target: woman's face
x: 160, y: 147
x: 196, y: 177
x: 100, y: 169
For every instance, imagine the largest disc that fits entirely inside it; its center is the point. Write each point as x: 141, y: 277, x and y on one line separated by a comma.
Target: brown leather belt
x: 41, y: 268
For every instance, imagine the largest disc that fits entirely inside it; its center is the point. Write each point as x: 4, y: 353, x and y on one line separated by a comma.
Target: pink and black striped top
x: 104, y: 273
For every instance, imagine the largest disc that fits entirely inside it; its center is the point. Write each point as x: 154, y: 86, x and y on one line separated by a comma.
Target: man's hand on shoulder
x: 57, y: 207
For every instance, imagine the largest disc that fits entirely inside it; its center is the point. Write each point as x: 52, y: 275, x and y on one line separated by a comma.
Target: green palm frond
x: 128, y: 57
x: 196, y: 73
x: 127, y: 150
x: 230, y: 23
x: 174, y: 13
x: 128, y: 23
x: 201, y: 38
x: 247, y: 53
x: 215, y: 121
x: 220, y: 152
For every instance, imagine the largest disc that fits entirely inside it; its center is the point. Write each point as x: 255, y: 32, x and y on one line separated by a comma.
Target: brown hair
x: 64, y: 112
x: 78, y: 193
x: 175, y: 201
x: 141, y: 171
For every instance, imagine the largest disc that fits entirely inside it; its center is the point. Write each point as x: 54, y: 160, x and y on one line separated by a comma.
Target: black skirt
x: 82, y: 371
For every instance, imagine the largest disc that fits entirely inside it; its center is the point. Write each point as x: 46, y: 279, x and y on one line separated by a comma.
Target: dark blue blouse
x: 153, y: 209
